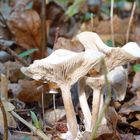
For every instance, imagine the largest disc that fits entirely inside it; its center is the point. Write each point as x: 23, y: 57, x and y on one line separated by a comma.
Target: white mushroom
x: 120, y: 56
x: 118, y: 80
x: 84, y: 104
x: 91, y: 40
x: 64, y: 68
x: 114, y: 57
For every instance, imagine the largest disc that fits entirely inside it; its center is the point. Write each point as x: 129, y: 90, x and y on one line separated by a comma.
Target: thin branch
x: 130, y: 21
x: 12, y: 53
x: 43, y: 28
x: 4, y: 87
x: 4, y: 120
x: 34, y: 129
x: 111, y: 20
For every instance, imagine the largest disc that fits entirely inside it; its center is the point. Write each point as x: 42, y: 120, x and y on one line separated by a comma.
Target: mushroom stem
x: 95, y: 106
x: 84, y: 104
x: 70, y: 113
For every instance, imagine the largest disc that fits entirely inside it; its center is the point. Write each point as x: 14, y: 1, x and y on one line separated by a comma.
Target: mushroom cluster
x: 65, y: 68
x: 117, y: 75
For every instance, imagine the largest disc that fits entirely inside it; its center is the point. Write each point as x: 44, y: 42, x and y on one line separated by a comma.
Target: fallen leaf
x: 125, y: 128
x: 72, y: 45
x: 129, y: 107
x: 136, y: 83
x: 136, y: 124
x: 128, y: 136
x: 10, y: 119
x: 55, y: 14
x: 137, y: 137
x: 26, y: 28
x: 32, y: 91
x: 138, y: 116
x: 13, y: 70
x: 52, y: 116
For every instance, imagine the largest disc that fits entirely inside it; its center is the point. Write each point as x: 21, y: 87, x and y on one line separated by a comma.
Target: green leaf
x: 26, y: 138
x: 61, y: 1
x: 35, y: 120
x: 74, y: 8
x: 26, y: 53
x: 136, y: 68
x: 88, y: 16
x: 109, y: 43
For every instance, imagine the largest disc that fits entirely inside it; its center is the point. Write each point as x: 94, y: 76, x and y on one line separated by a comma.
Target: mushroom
x: 118, y: 80
x: 84, y: 104
x: 120, y: 56
x: 114, y: 57
x: 91, y: 40
x: 64, y: 68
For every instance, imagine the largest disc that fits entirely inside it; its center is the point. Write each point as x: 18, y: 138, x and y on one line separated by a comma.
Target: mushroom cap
x: 91, y: 40
x: 63, y: 66
x: 120, y: 56
x: 132, y: 48
x: 118, y: 79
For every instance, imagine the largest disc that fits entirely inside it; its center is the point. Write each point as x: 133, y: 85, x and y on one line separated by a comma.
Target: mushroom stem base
x: 84, y: 105
x: 70, y: 113
x: 95, y: 106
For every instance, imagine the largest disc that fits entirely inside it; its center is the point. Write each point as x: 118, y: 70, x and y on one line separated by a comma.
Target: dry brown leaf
x: 130, y: 106
x: 26, y: 28
x: 137, y: 137
x: 136, y: 83
x: 10, y: 119
x: 13, y: 70
x: 136, y: 124
x: 55, y: 14
x: 52, y: 116
x: 72, y: 45
x: 104, y: 30
x: 30, y: 90
x: 20, y: 135
x: 138, y: 116
x: 128, y: 136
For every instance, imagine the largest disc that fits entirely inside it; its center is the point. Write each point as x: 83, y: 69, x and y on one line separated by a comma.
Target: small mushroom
x: 118, y: 80
x: 64, y: 68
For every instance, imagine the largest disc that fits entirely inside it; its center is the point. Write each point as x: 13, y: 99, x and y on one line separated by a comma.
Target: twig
x: 91, y: 21
x: 43, y: 28
x: 34, y: 129
x: 56, y: 34
x: 107, y: 101
x: 4, y: 120
x: 130, y: 21
x: 11, y: 52
x: 4, y: 87
x: 4, y: 92
x: 111, y: 20
x: 43, y: 112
